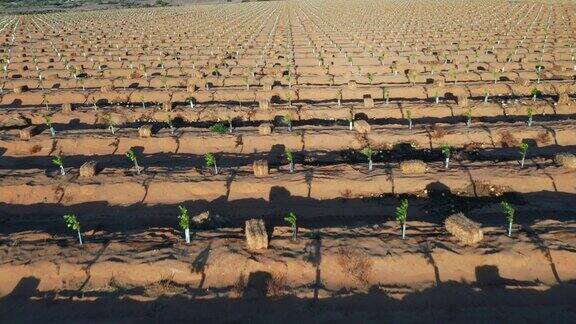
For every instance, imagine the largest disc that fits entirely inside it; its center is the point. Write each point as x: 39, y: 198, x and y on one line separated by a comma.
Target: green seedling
x: 350, y: 121
x: 446, y: 153
x: 509, y: 211
x: 530, y: 113
x: 170, y: 123
x: 45, y: 100
x: 59, y: 162
x: 535, y: 93
x: 387, y: 95
x: 437, y: 97
x: 468, y: 115
x: 190, y: 100
x: 292, y: 221
x: 73, y: 224
x: 339, y: 95
x: 110, y: 122
x: 290, y: 158
x: 230, y: 124
x: 367, y: 152
x: 132, y: 157
x: 48, y: 122
x: 486, y: 96
x: 219, y: 128
x: 184, y: 222
x: 402, y: 214
x: 409, y: 117
x: 210, y: 159
x: 523, y: 151
x: 287, y: 121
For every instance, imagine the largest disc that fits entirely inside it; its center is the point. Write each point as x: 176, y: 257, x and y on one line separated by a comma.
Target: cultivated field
x: 352, y: 128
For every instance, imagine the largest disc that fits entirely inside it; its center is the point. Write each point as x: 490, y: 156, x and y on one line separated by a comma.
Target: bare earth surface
x: 325, y: 86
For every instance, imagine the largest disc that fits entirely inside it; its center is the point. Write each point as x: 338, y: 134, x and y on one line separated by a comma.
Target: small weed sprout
x: 210, y: 159
x: 292, y: 221
x: 446, y: 153
x: 219, y: 128
x: 367, y: 152
x: 468, y: 115
x: 73, y: 224
x: 530, y: 113
x: 287, y: 121
x: 409, y: 117
x: 523, y: 151
x: 486, y: 96
x: 59, y: 162
x: 290, y: 158
x: 132, y: 157
x: 402, y: 214
x: 184, y: 222
x: 48, y: 122
x: 509, y: 211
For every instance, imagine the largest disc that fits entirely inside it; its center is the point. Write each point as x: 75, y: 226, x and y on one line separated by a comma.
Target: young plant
x: 170, y: 124
x: 184, y: 222
x: 402, y: 214
x: 509, y: 211
x: 48, y: 122
x: 132, y: 157
x: 387, y: 95
x: 523, y: 151
x: 292, y: 221
x: 446, y: 153
x: 219, y: 128
x: 287, y: 121
x: 530, y: 113
x: 367, y: 152
x: 436, y: 97
x: 59, y: 162
x: 210, y: 159
x: 486, y: 96
x: 73, y: 224
x: 468, y: 115
x: 290, y: 158
x: 350, y: 121
x: 190, y: 100
x: 409, y: 117
x: 535, y: 93
x: 109, y: 122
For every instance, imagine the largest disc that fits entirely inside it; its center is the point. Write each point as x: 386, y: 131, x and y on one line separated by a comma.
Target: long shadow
x: 449, y: 302
x: 313, y: 213
x: 276, y: 158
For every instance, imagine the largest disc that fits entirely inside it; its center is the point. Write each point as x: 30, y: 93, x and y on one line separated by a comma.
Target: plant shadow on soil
x: 490, y: 298
x: 312, y: 213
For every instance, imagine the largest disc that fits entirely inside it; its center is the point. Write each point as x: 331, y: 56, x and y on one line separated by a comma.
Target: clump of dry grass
x: 543, y: 138
x: 163, y: 287
x: 355, y: 263
x: 566, y: 160
x: 437, y: 132
x: 508, y: 140
x: 276, y: 285
x: 413, y: 167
